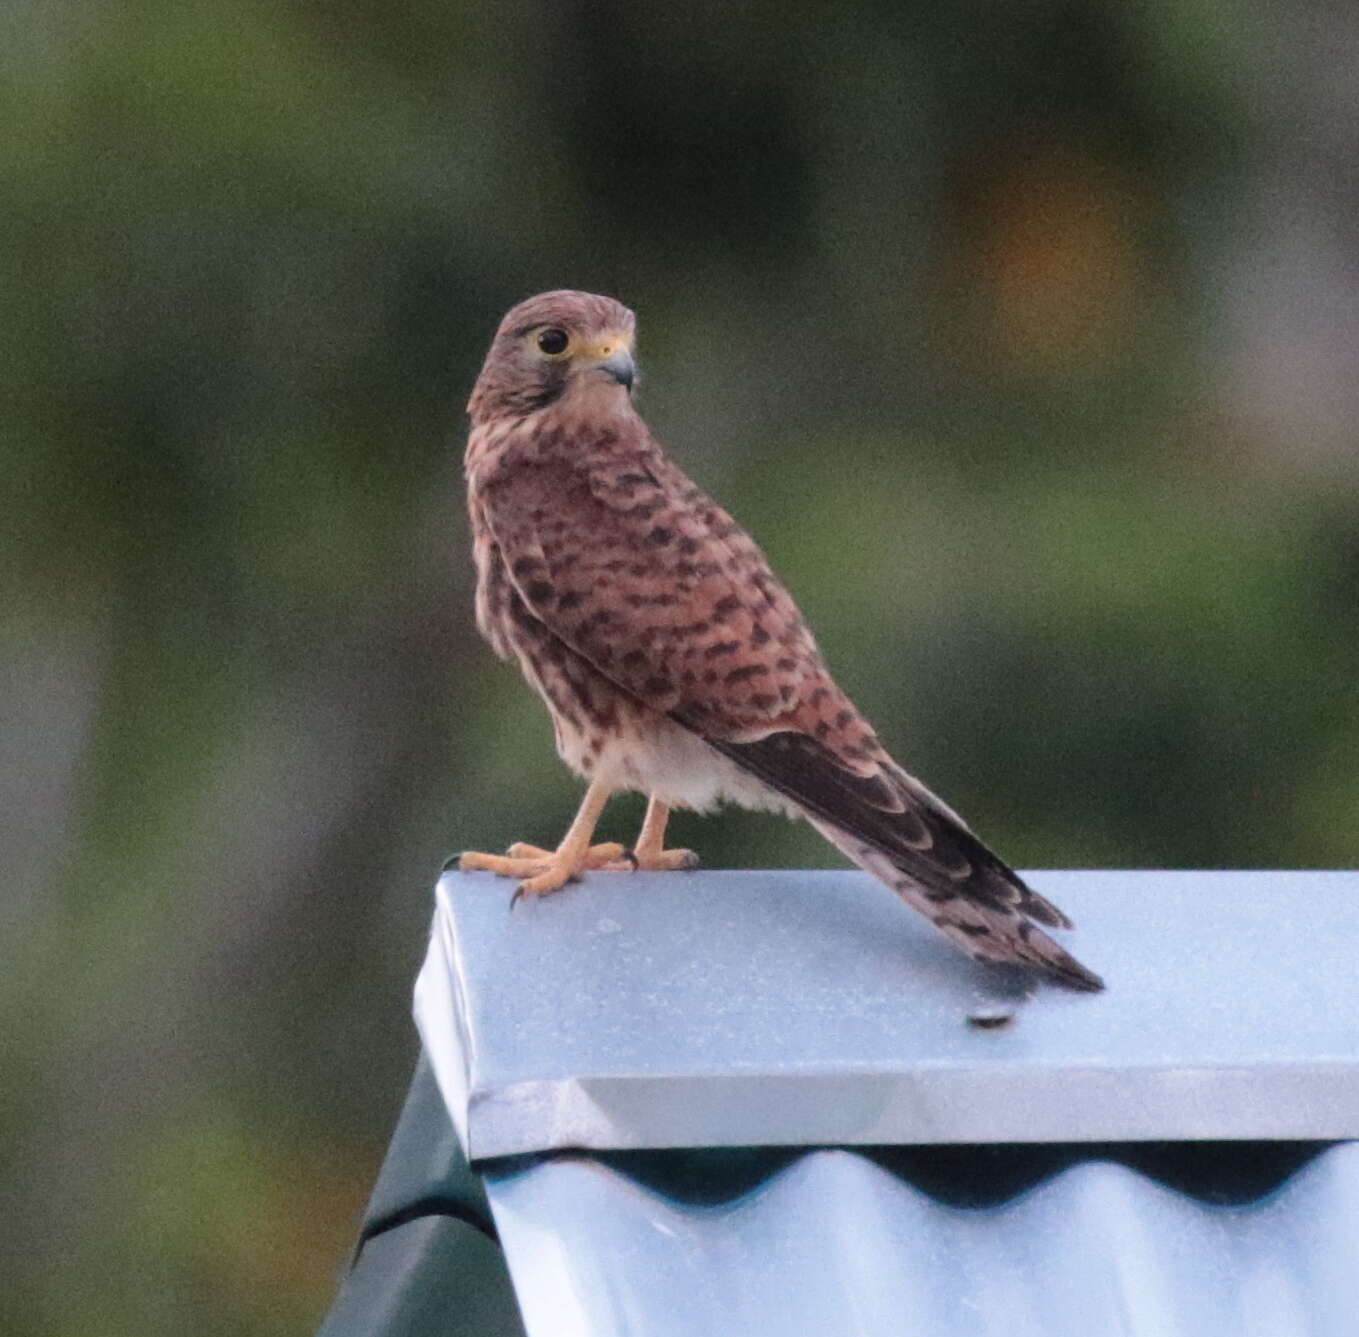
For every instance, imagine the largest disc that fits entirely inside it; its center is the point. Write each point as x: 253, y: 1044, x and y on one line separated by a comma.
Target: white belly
x: 655, y: 756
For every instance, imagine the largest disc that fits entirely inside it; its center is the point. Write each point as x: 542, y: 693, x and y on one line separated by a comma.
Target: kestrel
x: 670, y: 656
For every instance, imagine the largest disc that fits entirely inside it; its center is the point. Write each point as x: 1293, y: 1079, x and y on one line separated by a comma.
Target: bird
x: 672, y: 659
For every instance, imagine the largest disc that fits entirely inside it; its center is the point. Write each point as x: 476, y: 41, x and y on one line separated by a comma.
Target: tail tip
x: 1072, y: 975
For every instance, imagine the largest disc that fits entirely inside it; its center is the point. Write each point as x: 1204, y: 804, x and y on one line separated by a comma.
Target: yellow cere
x: 607, y: 345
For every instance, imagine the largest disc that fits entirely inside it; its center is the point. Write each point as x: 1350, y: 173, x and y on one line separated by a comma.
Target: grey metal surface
x: 432, y: 1276
x: 427, y: 1262
x: 425, y: 1166
x: 834, y: 1245
x: 731, y: 1008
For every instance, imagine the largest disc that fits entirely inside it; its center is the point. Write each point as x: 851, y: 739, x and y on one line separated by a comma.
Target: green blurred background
x: 1023, y: 336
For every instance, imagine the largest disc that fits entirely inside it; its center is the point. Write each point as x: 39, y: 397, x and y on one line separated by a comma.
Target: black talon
x: 631, y: 857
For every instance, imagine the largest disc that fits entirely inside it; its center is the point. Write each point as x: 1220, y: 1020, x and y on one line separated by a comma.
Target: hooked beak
x: 621, y: 367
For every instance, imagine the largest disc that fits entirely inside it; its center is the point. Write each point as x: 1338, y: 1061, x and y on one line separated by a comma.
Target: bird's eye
x: 553, y: 341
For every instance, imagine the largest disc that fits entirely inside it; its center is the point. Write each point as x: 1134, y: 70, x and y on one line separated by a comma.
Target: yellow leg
x: 650, y: 852
x: 543, y: 870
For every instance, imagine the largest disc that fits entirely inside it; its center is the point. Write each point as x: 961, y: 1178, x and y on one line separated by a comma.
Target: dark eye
x: 553, y: 341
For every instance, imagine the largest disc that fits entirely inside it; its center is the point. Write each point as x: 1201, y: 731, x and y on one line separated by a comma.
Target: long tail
x: 892, y: 826
x: 991, y: 931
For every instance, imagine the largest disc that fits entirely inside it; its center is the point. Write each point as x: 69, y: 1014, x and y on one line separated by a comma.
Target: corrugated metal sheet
x: 836, y: 1243
x: 721, y: 1008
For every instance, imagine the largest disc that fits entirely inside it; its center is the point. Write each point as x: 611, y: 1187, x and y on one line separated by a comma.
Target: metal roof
x: 1247, y: 1239
x: 726, y: 1009
x: 752, y: 1102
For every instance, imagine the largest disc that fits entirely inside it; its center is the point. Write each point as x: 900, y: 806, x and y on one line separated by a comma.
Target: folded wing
x: 635, y: 569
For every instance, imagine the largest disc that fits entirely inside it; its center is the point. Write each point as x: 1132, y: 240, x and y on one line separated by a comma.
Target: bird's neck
x: 580, y: 426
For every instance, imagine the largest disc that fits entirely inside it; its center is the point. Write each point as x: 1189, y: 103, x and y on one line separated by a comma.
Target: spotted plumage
x: 671, y: 658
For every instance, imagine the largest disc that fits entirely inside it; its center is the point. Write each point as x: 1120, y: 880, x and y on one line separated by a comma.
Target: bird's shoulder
x: 633, y: 565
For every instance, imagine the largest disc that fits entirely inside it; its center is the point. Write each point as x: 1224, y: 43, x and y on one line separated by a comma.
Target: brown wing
x: 638, y: 570
x: 633, y: 567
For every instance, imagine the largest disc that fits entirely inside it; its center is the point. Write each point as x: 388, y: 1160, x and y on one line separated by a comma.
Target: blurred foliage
x: 1022, y: 336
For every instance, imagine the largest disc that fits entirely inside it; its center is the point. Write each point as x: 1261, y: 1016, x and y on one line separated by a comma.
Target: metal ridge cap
x: 796, y: 1008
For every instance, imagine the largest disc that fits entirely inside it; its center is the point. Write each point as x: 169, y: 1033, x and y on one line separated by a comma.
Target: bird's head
x: 558, y: 347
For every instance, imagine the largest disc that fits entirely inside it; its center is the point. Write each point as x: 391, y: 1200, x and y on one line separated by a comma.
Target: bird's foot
x: 610, y: 858
x: 542, y: 870
x: 597, y: 856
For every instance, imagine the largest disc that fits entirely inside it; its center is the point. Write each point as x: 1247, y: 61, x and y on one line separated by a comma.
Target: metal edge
x: 1316, y: 1102
x: 440, y: 1017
